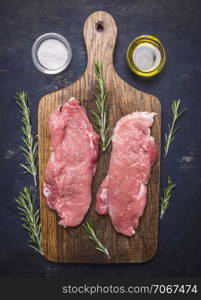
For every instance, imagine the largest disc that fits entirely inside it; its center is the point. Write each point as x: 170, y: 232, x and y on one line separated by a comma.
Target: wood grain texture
x: 73, y: 244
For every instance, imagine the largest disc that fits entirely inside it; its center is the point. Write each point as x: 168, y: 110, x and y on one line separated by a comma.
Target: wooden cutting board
x: 72, y: 244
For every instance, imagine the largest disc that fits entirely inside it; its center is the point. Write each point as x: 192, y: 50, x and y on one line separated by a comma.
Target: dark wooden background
x: 177, y: 23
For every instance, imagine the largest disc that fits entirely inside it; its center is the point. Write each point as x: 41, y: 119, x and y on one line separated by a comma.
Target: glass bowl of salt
x: 51, y: 53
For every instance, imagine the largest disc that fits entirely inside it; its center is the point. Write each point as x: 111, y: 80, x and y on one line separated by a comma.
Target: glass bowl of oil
x: 146, y: 56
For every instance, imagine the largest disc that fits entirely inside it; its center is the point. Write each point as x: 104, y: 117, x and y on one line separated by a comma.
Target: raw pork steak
x: 71, y: 165
x: 122, y: 193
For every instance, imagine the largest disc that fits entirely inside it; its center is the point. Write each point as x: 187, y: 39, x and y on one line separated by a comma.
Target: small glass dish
x: 51, y: 53
x: 146, y: 56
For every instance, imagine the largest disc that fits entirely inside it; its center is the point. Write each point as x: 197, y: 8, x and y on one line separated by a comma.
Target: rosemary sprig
x: 164, y: 200
x: 169, y: 137
x: 30, y: 146
x: 30, y: 217
x: 100, y: 117
x: 26, y: 198
x: 92, y: 235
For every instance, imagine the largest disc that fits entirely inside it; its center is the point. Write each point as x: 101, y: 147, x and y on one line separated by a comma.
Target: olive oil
x: 146, y: 56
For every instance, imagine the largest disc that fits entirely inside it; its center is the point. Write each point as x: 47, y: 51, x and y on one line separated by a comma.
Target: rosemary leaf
x: 100, y: 116
x: 164, y: 200
x: 92, y: 235
x: 172, y: 129
x: 30, y: 218
x: 36, y: 249
x: 30, y: 146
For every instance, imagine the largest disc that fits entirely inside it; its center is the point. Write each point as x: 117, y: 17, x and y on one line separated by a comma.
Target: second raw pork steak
x: 122, y: 193
x: 71, y: 165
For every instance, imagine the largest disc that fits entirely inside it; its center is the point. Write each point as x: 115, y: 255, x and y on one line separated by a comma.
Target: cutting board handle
x: 100, y: 33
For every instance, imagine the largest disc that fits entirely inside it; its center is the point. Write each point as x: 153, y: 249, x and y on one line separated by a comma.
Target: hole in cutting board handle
x: 99, y: 26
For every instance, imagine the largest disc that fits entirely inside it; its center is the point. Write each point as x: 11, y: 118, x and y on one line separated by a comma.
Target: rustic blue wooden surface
x: 177, y: 23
